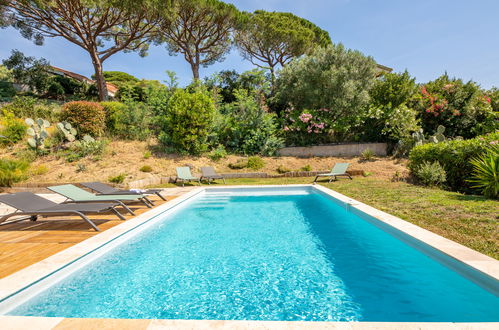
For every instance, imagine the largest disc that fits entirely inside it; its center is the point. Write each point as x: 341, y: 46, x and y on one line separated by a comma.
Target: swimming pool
x: 284, y: 254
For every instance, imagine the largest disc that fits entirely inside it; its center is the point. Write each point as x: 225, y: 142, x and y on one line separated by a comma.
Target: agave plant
x: 486, y: 173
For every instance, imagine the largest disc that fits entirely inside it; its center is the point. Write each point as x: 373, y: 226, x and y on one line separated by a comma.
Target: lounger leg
x: 84, y: 217
x: 316, y: 179
x: 115, y: 211
x: 160, y: 196
x: 143, y: 200
x: 125, y: 207
x: 149, y: 201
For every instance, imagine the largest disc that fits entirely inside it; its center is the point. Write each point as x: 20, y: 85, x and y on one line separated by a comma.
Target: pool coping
x: 15, y: 282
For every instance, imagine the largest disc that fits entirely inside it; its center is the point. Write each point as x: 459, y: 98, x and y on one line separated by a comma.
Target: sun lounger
x: 78, y: 195
x: 184, y: 174
x: 29, y: 204
x: 209, y: 174
x: 339, y: 169
x: 105, y: 189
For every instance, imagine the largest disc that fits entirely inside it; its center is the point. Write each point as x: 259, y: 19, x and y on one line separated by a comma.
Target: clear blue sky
x: 427, y: 37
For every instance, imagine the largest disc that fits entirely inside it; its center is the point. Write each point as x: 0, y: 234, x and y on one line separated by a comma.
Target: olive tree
x: 335, y: 81
x: 272, y: 39
x: 101, y: 27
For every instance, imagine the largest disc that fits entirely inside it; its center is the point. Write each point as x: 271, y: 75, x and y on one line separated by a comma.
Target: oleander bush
x: 86, y: 117
x: 455, y: 156
x: 128, y: 121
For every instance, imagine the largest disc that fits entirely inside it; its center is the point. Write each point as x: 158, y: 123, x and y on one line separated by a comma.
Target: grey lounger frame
x: 105, y: 189
x: 208, y: 173
x: 29, y: 204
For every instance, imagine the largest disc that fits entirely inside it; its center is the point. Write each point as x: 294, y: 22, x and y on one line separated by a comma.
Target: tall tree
x: 270, y: 39
x: 200, y: 30
x: 101, y: 27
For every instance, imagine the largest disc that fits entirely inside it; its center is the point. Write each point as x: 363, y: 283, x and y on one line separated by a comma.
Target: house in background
x: 111, y: 88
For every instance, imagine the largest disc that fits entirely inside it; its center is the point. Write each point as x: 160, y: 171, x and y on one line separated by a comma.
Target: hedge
x: 86, y: 117
x: 454, y: 156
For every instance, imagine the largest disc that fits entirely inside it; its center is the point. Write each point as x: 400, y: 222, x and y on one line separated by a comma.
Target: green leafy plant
x: 367, y: 155
x: 120, y: 178
x: 306, y: 168
x: 256, y: 163
x: 12, y: 129
x: 12, y: 171
x: 38, y: 132
x: 86, y: 117
x: 246, y: 127
x: 187, y: 122
x: 88, y: 146
x: 81, y: 168
x: 146, y: 169
x: 147, y: 154
x: 240, y: 164
x: 454, y: 156
x: 486, y: 173
x: 282, y: 169
x: 130, y: 120
x: 217, y: 153
x: 30, y: 107
x: 430, y: 174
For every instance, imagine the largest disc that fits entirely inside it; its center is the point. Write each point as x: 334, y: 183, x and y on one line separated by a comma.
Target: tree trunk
x: 195, y: 70
x: 272, y: 79
x: 100, y: 82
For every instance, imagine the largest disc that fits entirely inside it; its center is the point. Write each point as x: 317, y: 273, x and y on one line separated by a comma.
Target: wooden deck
x: 25, y: 243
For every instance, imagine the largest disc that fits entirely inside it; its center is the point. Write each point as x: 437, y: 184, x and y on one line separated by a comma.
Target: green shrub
x: 217, y: 153
x: 120, y: 178
x: 7, y: 90
x: 12, y: 129
x: 128, y: 120
x: 187, y: 122
x: 86, y: 117
x: 246, y: 127
x: 455, y: 156
x: 255, y: 163
x: 367, y: 155
x: 240, y: 164
x: 486, y: 173
x: 430, y: 174
x: 30, y: 107
x: 146, y: 169
x: 88, y: 146
x: 283, y: 169
x: 147, y: 154
x: 12, y: 171
x: 306, y: 168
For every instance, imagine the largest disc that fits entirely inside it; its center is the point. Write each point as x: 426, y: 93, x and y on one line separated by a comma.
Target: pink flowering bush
x: 306, y: 127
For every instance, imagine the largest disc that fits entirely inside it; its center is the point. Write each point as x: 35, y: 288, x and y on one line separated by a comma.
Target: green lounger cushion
x: 77, y: 194
x: 184, y: 173
x: 338, y: 169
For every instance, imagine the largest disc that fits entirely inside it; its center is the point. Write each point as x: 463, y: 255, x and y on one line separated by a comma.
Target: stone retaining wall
x: 334, y: 150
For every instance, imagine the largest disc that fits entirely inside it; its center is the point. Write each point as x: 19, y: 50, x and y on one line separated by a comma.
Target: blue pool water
x: 282, y: 257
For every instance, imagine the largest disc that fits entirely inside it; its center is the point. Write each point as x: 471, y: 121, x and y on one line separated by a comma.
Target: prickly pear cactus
x: 68, y: 131
x: 439, y: 135
x: 38, y: 132
x: 419, y: 138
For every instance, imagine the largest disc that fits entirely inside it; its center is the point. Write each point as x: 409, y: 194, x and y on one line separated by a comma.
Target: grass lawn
x: 470, y: 220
